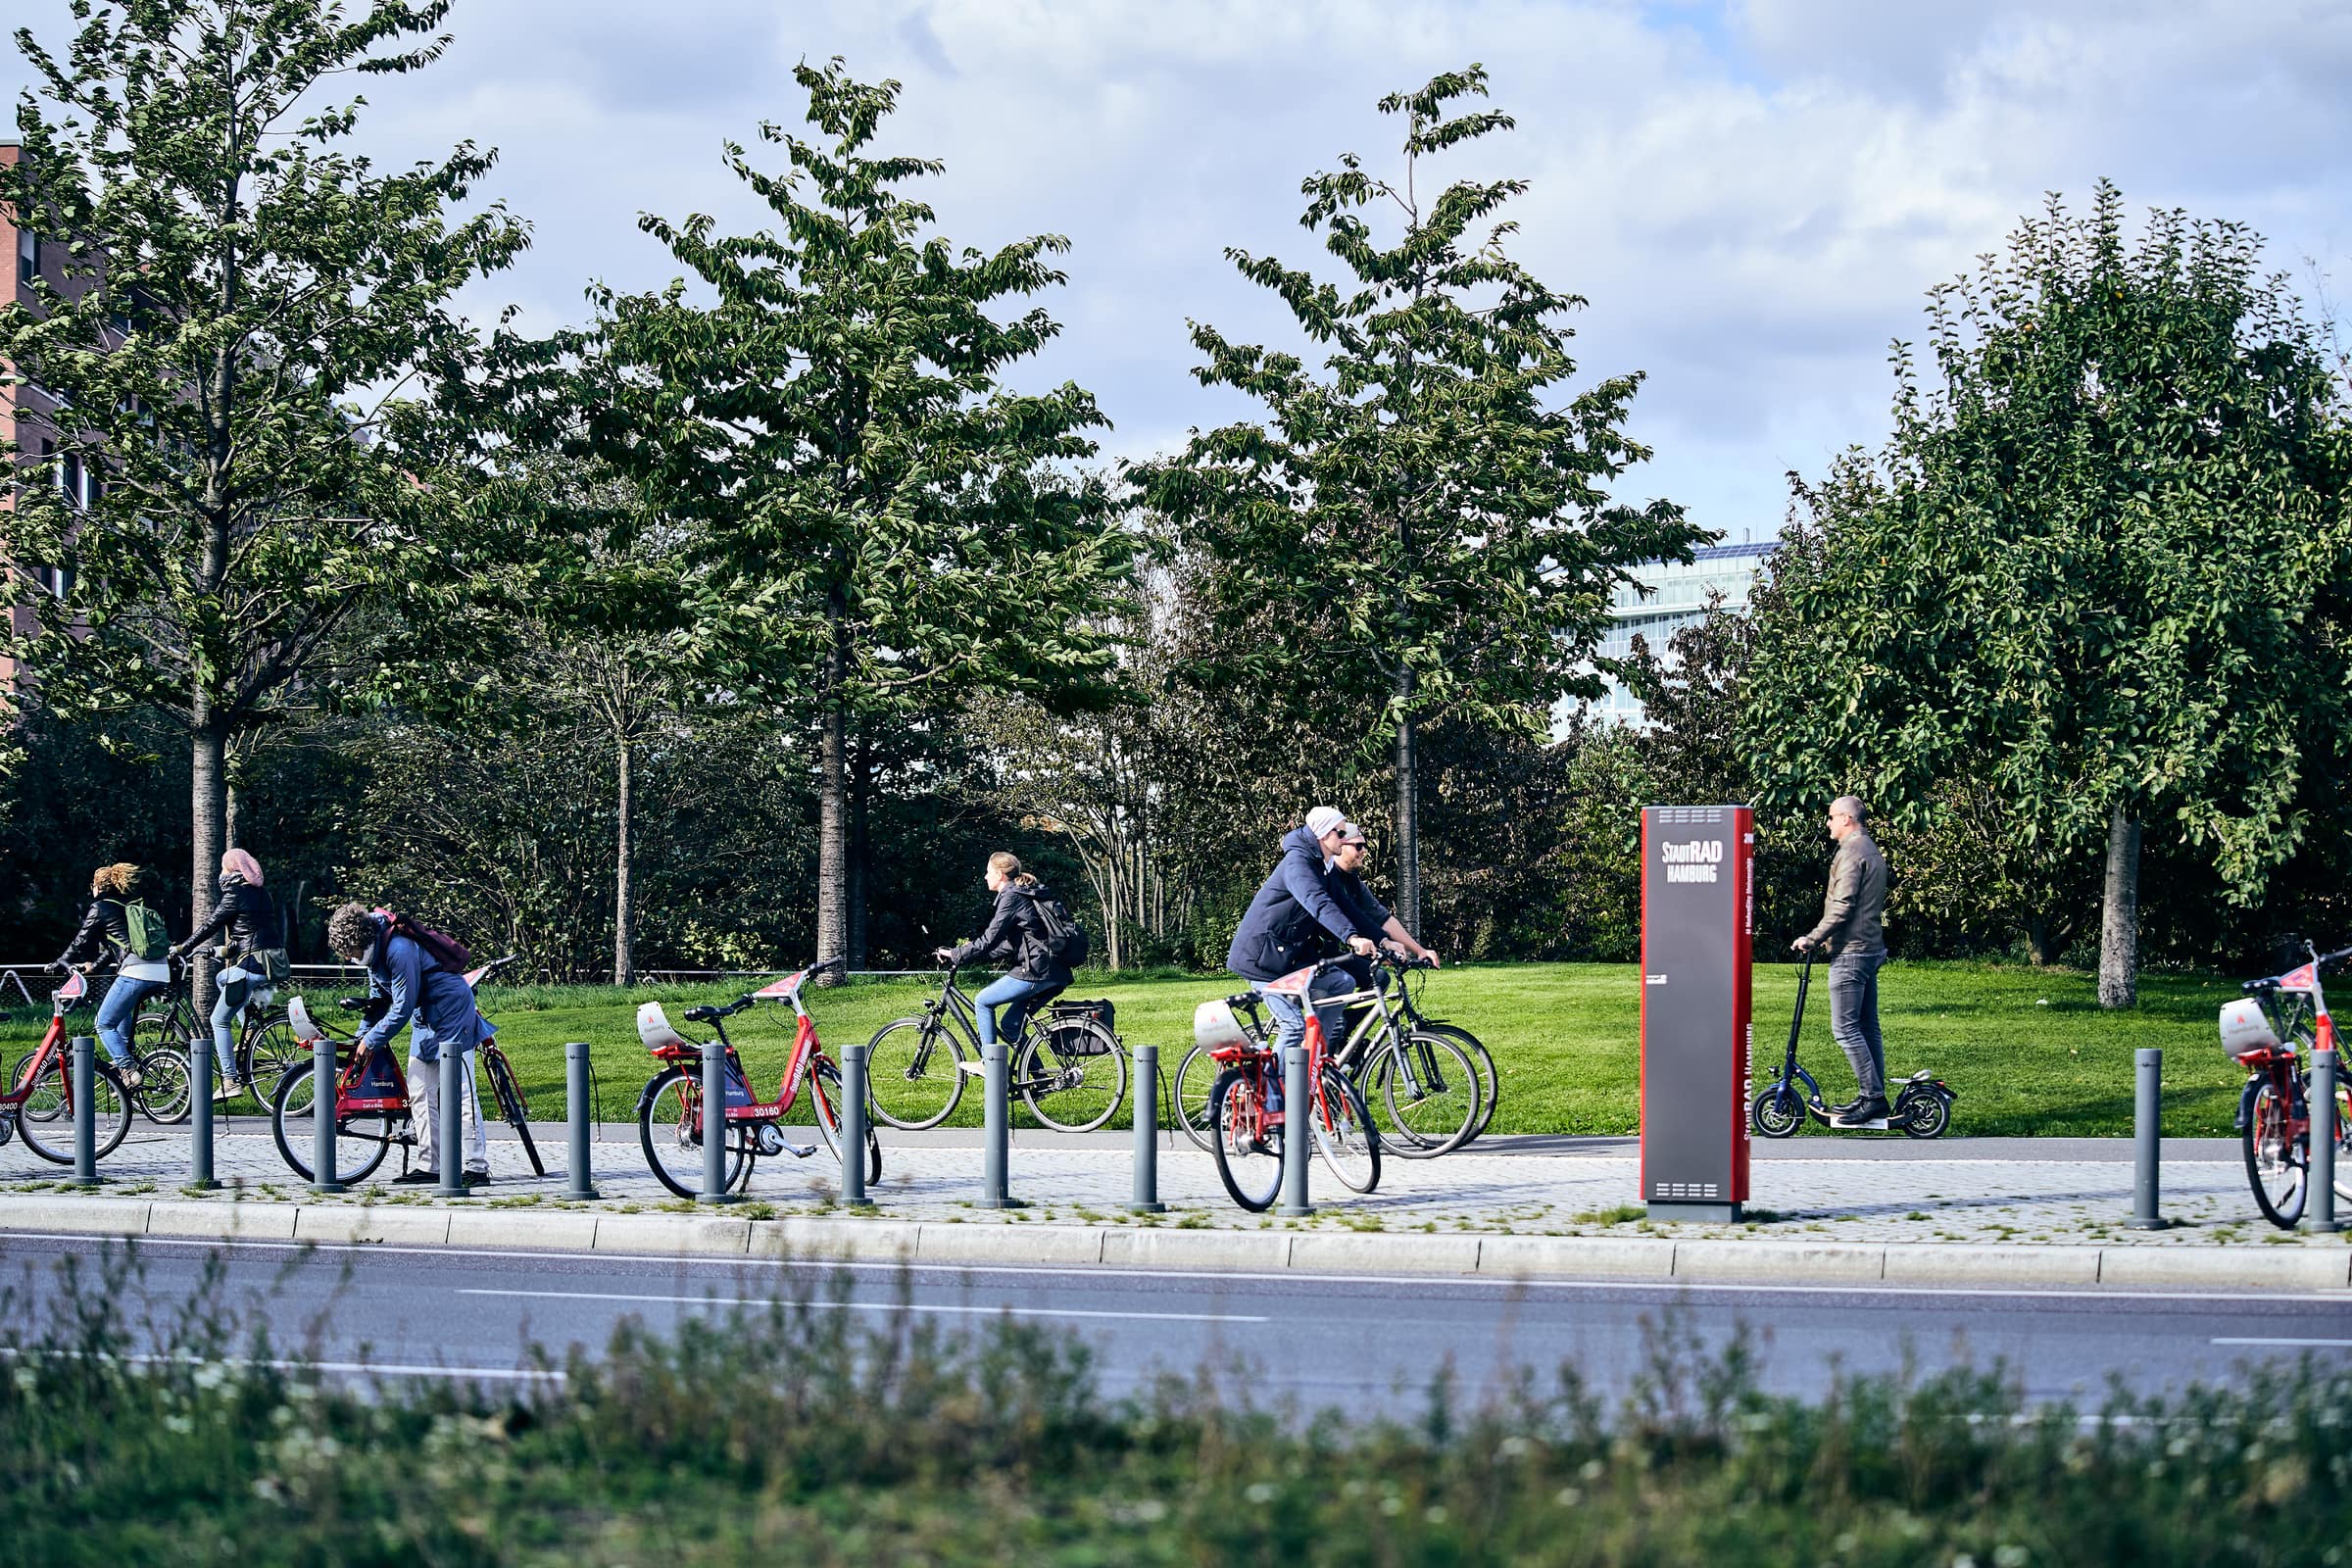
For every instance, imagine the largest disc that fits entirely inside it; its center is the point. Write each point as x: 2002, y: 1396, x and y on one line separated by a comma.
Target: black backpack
x: 1066, y: 938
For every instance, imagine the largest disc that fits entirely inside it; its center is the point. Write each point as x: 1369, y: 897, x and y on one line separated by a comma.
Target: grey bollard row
x: 996, y: 1180
x: 714, y: 1127
x: 852, y: 1127
x: 578, y: 1114
x: 453, y: 1068
x: 1298, y: 1135
x: 2325, y: 1065
x: 200, y: 1113
x: 2147, y: 1138
x: 1147, y: 1132
x: 86, y: 1111
x: 323, y: 1176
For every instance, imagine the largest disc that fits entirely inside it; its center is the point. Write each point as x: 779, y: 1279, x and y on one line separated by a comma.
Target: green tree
x: 882, y: 523
x: 2101, y: 567
x: 216, y: 379
x: 1424, y: 517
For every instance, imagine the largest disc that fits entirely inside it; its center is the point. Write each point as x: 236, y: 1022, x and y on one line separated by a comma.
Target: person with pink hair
x: 253, y: 957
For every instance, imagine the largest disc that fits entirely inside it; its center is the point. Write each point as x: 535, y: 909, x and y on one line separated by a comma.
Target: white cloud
x: 1753, y: 196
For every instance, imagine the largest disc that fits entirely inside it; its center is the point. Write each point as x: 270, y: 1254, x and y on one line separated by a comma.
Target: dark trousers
x: 1854, y: 1017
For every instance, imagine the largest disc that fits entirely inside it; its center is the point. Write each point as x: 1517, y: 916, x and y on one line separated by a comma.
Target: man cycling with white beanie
x: 1295, y: 921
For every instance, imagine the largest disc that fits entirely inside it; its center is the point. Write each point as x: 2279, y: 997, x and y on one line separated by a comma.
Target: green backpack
x: 149, y: 940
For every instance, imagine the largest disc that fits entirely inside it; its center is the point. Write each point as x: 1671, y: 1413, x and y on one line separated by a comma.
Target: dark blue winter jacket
x: 1286, y: 924
x: 435, y: 1003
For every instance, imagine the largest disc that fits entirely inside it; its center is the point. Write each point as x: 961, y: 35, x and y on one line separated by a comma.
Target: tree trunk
x: 624, y: 957
x: 832, y: 811
x: 862, y: 789
x: 2037, y: 941
x: 1408, y: 814
x: 209, y: 810
x: 2119, y: 921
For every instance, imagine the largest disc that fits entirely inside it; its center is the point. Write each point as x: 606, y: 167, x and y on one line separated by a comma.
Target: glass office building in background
x: 1678, y: 595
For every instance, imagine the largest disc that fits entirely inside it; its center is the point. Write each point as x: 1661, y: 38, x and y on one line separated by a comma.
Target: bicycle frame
x: 951, y: 1009
x: 1299, y: 983
x: 61, y: 1000
x: 2280, y: 1065
x: 672, y: 1049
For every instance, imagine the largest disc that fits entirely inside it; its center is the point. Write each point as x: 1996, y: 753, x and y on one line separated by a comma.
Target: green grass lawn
x: 2029, y: 1051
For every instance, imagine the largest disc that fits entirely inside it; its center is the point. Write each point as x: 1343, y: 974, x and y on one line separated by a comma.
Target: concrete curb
x: 1662, y: 1259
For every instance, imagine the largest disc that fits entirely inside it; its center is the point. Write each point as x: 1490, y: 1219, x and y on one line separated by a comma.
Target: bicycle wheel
x: 1489, y: 1083
x: 361, y: 1141
x: 162, y: 1091
x: 824, y: 1104
x: 1429, y: 1089
x: 41, y: 1104
x: 1345, y: 1137
x: 914, y: 1073
x: 513, y: 1109
x: 1072, y: 1074
x: 52, y: 1138
x: 1196, y: 1077
x: 2277, y: 1165
x: 266, y: 1050
x: 669, y: 1126
x: 1249, y: 1153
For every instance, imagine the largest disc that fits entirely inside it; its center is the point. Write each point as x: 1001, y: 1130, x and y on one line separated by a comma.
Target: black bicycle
x: 261, y: 1046
x: 1425, y: 1073
x: 1066, y: 1063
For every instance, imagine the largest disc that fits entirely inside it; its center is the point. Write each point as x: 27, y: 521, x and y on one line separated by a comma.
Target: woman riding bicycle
x: 1018, y: 930
x: 136, y: 978
x: 256, y: 960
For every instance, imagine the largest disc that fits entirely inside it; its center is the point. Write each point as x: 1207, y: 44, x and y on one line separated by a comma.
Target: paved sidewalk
x: 1808, y: 1190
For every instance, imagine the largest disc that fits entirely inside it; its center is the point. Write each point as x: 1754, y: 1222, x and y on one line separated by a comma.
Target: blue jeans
x: 237, y: 990
x: 1855, y: 1018
x: 1290, y: 1021
x: 1012, y: 995
x: 116, y: 1013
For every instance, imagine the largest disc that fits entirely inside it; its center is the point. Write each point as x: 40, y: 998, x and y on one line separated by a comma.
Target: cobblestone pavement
x: 1587, y: 1192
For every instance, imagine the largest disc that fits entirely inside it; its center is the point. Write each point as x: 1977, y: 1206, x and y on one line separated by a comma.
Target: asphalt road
x: 1356, y: 1341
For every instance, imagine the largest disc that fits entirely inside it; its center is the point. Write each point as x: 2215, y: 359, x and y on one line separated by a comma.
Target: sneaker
x: 228, y: 1089
x: 1863, y: 1113
x: 131, y: 1077
x: 418, y: 1178
x: 477, y: 1178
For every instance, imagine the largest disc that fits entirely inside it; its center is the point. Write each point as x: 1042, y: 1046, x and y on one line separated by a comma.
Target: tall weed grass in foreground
x: 796, y: 1433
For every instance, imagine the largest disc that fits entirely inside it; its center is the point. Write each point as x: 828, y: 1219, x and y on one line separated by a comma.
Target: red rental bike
x: 42, y: 1106
x: 669, y: 1113
x: 1247, y: 1137
x: 2265, y: 1034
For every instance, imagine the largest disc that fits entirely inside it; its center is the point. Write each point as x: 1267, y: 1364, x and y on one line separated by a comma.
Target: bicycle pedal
x: 799, y: 1151
x: 977, y: 1069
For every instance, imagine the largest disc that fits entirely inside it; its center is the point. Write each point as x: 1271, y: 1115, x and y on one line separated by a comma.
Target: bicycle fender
x: 2245, y: 1102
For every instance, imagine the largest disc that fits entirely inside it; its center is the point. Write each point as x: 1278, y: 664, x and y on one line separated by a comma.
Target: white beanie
x: 1324, y: 819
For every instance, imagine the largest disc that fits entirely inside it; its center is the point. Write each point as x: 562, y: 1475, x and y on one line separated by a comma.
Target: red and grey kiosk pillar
x: 1697, y: 929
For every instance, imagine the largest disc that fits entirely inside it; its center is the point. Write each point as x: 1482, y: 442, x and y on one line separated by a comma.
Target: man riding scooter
x: 1851, y: 933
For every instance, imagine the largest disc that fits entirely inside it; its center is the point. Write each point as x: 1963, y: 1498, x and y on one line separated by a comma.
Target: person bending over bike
x: 1016, y: 930
x: 1295, y: 921
x: 109, y: 919
x: 255, y: 960
x: 438, y: 1007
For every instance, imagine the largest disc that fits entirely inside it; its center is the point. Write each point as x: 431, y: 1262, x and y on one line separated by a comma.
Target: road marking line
x: 1127, y: 1271
x: 878, y: 1307
x: 2338, y: 1345
x: 365, y: 1368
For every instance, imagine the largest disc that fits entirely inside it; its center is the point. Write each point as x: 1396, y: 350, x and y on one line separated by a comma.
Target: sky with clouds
x: 1752, y: 194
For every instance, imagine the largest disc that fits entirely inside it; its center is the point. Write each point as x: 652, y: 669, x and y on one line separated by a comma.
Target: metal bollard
x: 714, y: 1127
x: 852, y: 1127
x: 200, y: 1114
x: 1147, y: 1133
x: 452, y: 1067
x: 2324, y: 1068
x: 1297, y: 1132
x: 86, y: 1111
x: 2147, y: 1138
x: 322, y: 1117
x: 996, y: 1179
x: 579, y: 1110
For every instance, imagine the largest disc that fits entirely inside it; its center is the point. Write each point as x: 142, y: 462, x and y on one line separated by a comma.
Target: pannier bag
x: 1089, y: 1043
x: 2247, y: 1029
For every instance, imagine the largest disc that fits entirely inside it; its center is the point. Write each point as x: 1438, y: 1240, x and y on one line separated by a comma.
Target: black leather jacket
x: 105, y: 922
x: 250, y: 916
x: 1015, y: 929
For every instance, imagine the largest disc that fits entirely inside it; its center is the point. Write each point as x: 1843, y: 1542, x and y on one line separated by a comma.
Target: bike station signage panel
x: 1697, y: 929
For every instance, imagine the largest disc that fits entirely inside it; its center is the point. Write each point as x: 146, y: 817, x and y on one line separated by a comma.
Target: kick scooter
x: 1923, y: 1108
